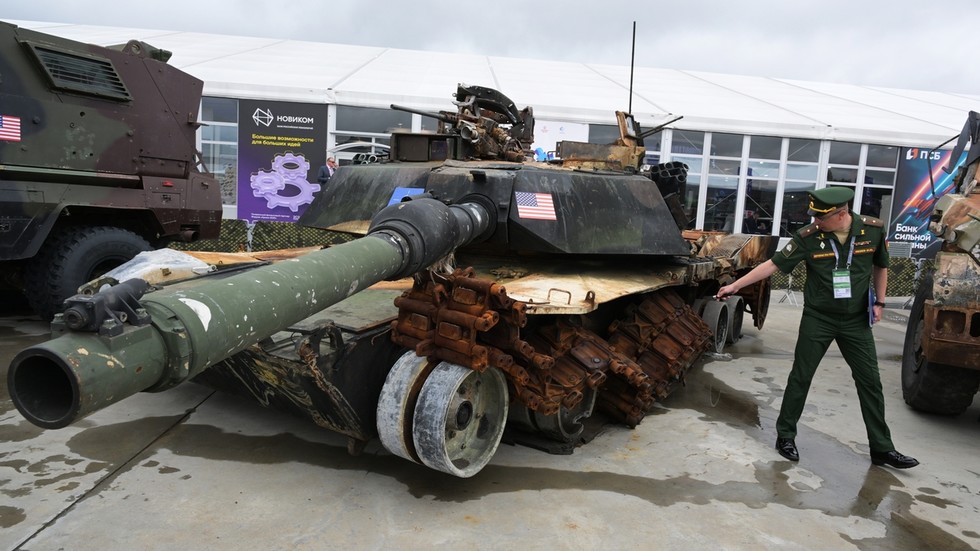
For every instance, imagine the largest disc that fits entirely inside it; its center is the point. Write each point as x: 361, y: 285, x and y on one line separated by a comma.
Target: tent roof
x: 293, y: 70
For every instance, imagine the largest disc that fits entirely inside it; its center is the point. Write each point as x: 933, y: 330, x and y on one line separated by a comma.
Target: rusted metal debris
x: 472, y: 322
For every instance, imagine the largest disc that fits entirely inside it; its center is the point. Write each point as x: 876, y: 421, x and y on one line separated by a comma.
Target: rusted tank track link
x: 472, y: 322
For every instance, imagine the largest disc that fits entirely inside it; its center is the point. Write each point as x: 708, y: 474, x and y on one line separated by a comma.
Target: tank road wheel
x: 736, y: 312
x: 396, y: 405
x: 460, y: 418
x: 73, y: 257
x: 565, y: 426
x: 929, y: 386
x: 715, y: 314
x: 568, y: 424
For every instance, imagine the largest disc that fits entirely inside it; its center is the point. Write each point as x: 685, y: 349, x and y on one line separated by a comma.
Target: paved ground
x: 191, y: 468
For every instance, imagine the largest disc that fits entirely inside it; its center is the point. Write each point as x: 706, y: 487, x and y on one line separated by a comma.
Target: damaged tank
x: 941, y: 358
x: 485, y: 290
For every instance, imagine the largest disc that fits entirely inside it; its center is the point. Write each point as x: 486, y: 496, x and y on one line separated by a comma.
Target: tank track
x: 472, y: 322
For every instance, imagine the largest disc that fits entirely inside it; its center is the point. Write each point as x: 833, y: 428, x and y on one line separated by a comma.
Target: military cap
x: 827, y: 200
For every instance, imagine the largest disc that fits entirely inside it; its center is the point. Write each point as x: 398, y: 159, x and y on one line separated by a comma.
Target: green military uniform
x: 826, y: 318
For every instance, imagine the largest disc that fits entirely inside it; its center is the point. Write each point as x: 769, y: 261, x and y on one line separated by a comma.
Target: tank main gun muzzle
x: 190, y: 328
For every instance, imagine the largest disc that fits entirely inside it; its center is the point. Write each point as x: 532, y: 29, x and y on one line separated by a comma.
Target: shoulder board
x: 872, y: 221
x: 806, y: 231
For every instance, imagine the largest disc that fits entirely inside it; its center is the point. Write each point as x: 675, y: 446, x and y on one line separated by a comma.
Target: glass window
x: 693, y: 163
x: 804, y: 150
x: 842, y: 174
x: 719, y: 212
x: 765, y: 147
x: 884, y: 156
x: 686, y: 141
x: 691, y: 197
x: 796, y: 201
x: 219, y: 133
x: 874, y: 199
x: 653, y: 142
x: 845, y: 153
x: 222, y: 160
x: 430, y: 124
x: 764, y: 169
x: 219, y: 144
x: 726, y: 145
x: 724, y: 166
x: 603, y: 133
x: 219, y: 110
x: 350, y: 144
x: 760, y: 196
x: 800, y: 171
x: 367, y: 119
x: 879, y: 177
x: 690, y: 202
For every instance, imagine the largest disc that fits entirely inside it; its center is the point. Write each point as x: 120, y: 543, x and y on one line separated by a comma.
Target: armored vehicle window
x: 86, y: 74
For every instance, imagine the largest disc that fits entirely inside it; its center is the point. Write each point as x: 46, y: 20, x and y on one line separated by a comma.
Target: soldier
x: 844, y: 254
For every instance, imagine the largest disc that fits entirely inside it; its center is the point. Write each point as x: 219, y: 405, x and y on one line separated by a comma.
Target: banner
x: 914, y: 197
x: 281, y: 147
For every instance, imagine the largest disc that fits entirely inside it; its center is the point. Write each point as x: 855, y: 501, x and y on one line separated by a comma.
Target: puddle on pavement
x: 876, y: 492
x: 10, y: 516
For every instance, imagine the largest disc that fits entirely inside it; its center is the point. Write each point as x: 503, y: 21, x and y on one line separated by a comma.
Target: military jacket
x: 813, y: 246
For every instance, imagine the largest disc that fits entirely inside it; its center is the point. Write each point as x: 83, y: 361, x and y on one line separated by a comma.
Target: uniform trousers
x: 856, y: 343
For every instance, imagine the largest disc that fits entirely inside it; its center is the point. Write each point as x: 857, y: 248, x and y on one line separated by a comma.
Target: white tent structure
x: 315, y: 72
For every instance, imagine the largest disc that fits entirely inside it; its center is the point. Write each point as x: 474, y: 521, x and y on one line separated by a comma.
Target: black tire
x: 929, y: 386
x: 75, y: 256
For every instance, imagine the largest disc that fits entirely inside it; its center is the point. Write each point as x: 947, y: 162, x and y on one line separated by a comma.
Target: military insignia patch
x: 823, y: 244
x: 788, y: 249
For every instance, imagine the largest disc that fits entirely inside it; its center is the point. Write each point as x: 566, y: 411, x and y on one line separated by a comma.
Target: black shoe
x: 893, y: 459
x: 787, y: 448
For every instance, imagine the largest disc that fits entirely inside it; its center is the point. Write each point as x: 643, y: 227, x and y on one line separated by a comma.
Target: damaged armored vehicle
x: 483, y: 290
x: 941, y: 359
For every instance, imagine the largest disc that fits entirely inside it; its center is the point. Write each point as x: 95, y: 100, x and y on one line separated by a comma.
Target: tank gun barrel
x: 440, y: 115
x: 176, y: 333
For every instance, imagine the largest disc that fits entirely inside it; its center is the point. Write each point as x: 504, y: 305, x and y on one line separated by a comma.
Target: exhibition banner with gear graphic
x: 915, y: 195
x: 281, y: 146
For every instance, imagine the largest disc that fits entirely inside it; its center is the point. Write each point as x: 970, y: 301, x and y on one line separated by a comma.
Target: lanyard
x: 850, y: 254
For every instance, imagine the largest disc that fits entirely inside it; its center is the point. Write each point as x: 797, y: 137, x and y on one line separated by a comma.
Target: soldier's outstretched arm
x: 760, y: 272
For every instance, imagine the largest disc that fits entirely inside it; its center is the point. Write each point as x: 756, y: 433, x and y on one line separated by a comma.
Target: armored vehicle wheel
x: 459, y: 418
x: 73, y: 257
x: 567, y: 424
x: 736, y: 312
x: 930, y: 386
x: 715, y: 314
x: 396, y: 405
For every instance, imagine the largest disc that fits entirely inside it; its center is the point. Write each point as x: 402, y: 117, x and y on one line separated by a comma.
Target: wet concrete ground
x: 192, y: 468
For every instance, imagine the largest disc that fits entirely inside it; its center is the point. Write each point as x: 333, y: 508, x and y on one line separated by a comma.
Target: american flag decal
x: 535, y: 206
x: 9, y: 128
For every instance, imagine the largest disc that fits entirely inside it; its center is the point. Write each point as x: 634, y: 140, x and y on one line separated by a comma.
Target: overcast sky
x: 917, y: 44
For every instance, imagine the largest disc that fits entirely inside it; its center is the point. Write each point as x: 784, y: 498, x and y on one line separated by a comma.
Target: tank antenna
x: 632, y: 61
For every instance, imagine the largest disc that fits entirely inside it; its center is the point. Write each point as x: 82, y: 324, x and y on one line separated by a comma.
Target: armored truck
x: 98, y: 161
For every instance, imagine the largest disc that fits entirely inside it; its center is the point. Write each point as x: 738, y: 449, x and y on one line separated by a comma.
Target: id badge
x: 842, y: 283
